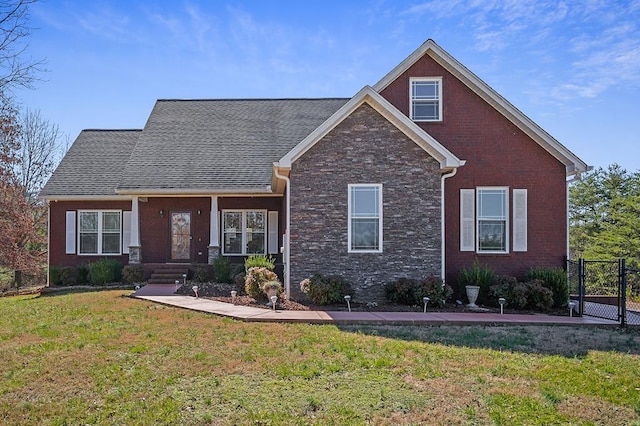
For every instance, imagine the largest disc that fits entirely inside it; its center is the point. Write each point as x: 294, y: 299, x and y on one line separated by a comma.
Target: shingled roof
x: 204, y: 146
x: 93, y: 165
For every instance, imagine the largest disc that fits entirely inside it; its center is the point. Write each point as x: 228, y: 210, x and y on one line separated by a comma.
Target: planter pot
x: 472, y: 295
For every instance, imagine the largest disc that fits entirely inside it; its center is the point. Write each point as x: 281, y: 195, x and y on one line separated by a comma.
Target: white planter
x: 472, y: 295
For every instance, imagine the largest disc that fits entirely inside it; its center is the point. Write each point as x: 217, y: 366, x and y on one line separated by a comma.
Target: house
x: 417, y: 175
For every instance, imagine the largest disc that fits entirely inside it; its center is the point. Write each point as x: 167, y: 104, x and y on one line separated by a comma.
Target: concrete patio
x: 164, y: 294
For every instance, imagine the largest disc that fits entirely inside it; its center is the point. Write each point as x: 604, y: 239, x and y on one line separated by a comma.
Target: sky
x: 572, y: 66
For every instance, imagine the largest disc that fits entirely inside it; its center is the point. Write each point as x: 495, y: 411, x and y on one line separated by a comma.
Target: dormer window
x: 426, y: 99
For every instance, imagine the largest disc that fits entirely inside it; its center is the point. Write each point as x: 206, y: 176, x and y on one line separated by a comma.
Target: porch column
x: 135, y: 251
x: 214, y: 231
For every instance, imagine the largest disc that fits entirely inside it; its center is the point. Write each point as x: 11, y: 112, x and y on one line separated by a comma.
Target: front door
x: 181, y: 236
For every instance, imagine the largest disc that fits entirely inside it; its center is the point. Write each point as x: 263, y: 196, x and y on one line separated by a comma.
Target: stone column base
x: 214, y: 252
x: 135, y: 255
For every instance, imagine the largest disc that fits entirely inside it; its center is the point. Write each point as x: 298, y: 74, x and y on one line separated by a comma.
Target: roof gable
x: 367, y: 95
x: 572, y: 163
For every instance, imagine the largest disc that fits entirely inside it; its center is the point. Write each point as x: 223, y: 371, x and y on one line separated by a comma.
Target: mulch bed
x: 222, y: 293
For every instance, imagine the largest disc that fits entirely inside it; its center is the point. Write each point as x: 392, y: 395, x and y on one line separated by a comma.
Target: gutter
x: 285, y: 242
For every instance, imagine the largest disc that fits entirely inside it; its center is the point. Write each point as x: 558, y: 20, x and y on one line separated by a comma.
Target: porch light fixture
x: 572, y: 305
x: 273, y: 301
x: 177, y: 284
x: 425, y: 300
x: 233, y: 296
x: 501, y: 301
x: 347, y: 299
x: 161, y: 212
x: 195, y: 290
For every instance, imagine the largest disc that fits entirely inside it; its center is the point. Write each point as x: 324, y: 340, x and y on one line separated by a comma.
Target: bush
x: 528, y: 295
x: 255, y: 280
x: 83, y: 274
x: 104, y: 271
x: 54, y: 276
x: 203, y: 274
x: 133, y: 274
x: 222, y: 269
x: 323, y: 290
x: 407, y: 291
x: 539, y: 297
x: 68, y: 276
x: 479, y: 275
x: 259, y: 261
x: 555, y: 280
x: 270, y: 286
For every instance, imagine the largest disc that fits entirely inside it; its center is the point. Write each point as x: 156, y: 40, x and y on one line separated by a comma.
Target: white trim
x: 134, y: 239
x: 214, y: 224
x: 411, y: 99
x: 56, y: 198
x: 572, y: 163
x: 520, y: 207
x: 99, y: 231
x: 367, y: 95
x: 127, y: 226
x: 178, y: 192
x: 272, y: 227
x: 70, y: 232
x: 480, y: 189
x: 378, y: 187
x: 286, y: 255
x: 244, y: 231
x: 467, y: 220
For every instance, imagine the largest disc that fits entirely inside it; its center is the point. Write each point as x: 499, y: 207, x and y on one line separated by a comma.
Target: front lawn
x: 103, y: 358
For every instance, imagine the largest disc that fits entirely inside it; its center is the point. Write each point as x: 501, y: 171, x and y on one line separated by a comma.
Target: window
x: 426, y: 99
x: 244, y: 232
x: 484, y: 220
x: 99, y: 232
x: 492, y: 220
x: 365, y: 218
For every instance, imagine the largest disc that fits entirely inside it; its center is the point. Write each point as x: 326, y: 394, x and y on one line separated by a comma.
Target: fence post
x: 623, y: 292
x: 581, y: 276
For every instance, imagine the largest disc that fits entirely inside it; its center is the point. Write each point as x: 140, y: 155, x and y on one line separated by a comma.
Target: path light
x: 177, y: 284
x: 572, y: 304
x: 184, y: 279
x: 501, y: 302
x: 425, y: 300
x: 347, y: 299
x: 233, y: 296
x: 195, y: 290
x: 273, y: 301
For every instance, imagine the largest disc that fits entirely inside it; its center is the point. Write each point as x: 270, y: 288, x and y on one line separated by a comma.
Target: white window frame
x: 100, y: 233
x: 244, y: 231
x: 378, y: 187
x: 506, y: 218
x: 418, y: 80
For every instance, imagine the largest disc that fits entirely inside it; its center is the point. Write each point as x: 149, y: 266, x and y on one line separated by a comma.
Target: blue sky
x: 571, y: 66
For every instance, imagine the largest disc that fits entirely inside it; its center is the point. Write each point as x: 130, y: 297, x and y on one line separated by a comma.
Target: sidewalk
x: 245, y: 313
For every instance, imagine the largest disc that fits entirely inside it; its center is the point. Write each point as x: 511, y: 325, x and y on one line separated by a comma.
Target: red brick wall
x: 497, y: 154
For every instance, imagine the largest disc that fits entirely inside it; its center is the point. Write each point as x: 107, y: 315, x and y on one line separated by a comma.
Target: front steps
x: 168, y: 274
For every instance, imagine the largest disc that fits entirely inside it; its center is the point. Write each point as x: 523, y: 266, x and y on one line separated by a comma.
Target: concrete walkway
x: 165, y: 295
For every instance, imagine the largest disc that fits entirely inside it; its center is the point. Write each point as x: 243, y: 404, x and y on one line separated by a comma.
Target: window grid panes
x: 425, y: 100
x: 99, y: 232
x: 492, y: 220
x: 244, y: 232
x: 365, y: 218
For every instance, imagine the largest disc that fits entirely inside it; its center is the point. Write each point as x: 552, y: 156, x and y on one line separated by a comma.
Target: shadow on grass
x: 567, y: 341
x: 59, y: 291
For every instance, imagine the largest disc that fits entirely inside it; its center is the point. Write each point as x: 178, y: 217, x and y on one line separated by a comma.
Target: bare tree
x: 41, y: 148
x: 16, y: 69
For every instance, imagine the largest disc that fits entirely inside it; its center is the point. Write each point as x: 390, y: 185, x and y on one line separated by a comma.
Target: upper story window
x: 365, y: 218
x: 99, y: 232
x: 426, y: 99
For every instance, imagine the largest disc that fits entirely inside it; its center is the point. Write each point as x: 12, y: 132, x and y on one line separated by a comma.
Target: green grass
x: 102, y: 358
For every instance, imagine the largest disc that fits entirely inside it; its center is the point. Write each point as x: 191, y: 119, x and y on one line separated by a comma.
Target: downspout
x: 442, y: 220
x: 287, y: 256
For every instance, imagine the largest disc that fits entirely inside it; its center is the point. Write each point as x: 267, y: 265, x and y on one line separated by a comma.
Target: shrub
x: 504, y: 287
x: 259, y: 261
x: 255, y: 280
x: 555, y: 280
x: 83, y: 274
x: 203, y: 274
x: 68, y: 276
x: 539, y: 297
x: 270, y: 286
x: 479, y: 275
x: 54, y: 276
x: 528, y: 295
x: 133, y: 274
x: 323, y: 290
x: 104, y: 271
x: 407, y: 291
x: 222, y: 269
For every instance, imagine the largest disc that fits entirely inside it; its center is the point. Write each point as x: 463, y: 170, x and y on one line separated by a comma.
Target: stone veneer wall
x: 365, y: 148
